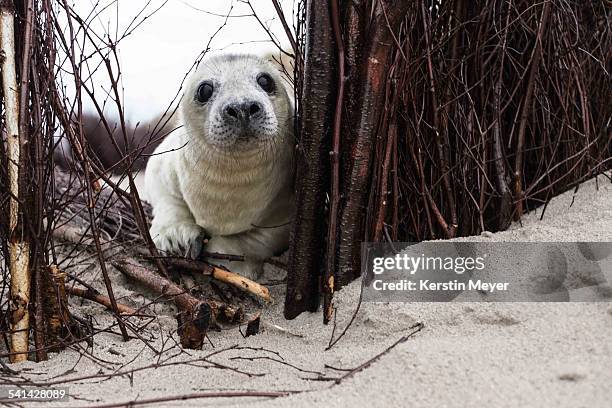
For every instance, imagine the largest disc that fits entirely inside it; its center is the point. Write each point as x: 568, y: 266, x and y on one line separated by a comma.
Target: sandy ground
x: 467, y: 355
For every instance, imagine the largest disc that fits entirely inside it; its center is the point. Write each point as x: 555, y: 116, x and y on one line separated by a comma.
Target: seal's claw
x: 194, y: 250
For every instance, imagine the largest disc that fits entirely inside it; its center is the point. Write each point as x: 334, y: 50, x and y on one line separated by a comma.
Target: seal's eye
x: 266, y: 82
x: 204, y: 92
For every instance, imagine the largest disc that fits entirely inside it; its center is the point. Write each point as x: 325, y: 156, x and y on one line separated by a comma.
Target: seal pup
x: 226, y: 175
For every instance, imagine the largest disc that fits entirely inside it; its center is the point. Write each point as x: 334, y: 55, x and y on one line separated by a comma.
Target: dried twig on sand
x: 101, y: 299
x: 415, y: 329
x: 224, y: 276
x: 203, y: 395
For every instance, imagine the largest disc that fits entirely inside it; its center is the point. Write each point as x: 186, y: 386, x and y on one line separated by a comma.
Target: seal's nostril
x: 254, y: 109
x: 231, y: 112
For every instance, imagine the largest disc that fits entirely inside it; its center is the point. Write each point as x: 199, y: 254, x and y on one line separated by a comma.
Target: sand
x: 467, y: 354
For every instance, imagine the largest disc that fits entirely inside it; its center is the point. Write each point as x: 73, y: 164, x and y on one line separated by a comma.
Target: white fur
x: 204, y: 178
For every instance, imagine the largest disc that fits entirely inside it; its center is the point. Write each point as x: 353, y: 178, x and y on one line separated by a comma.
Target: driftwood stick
x: 157, y: 283
x: 101, y: 299
x: 224, y: 276
x: 241, y: 282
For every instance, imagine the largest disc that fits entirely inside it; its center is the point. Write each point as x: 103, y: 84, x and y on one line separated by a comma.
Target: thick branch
x: 19, y: 246
x: 332, y: 226
x: 306, y: 249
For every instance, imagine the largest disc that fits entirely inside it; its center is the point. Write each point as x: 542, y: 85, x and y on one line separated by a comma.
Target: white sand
x: 468, y: 354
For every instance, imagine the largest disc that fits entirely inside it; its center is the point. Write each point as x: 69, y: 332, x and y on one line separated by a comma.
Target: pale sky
x: 156, y: 56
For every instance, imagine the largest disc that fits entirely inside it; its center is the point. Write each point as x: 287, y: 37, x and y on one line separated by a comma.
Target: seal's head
x: 237, y: 102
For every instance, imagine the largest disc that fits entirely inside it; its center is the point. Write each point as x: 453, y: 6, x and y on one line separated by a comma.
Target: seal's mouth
x: 249, y: 137
x: 246, y: 135
x: 242, y: 140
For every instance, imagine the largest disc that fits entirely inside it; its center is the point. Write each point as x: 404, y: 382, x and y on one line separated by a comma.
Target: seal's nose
x: 242, y: 112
